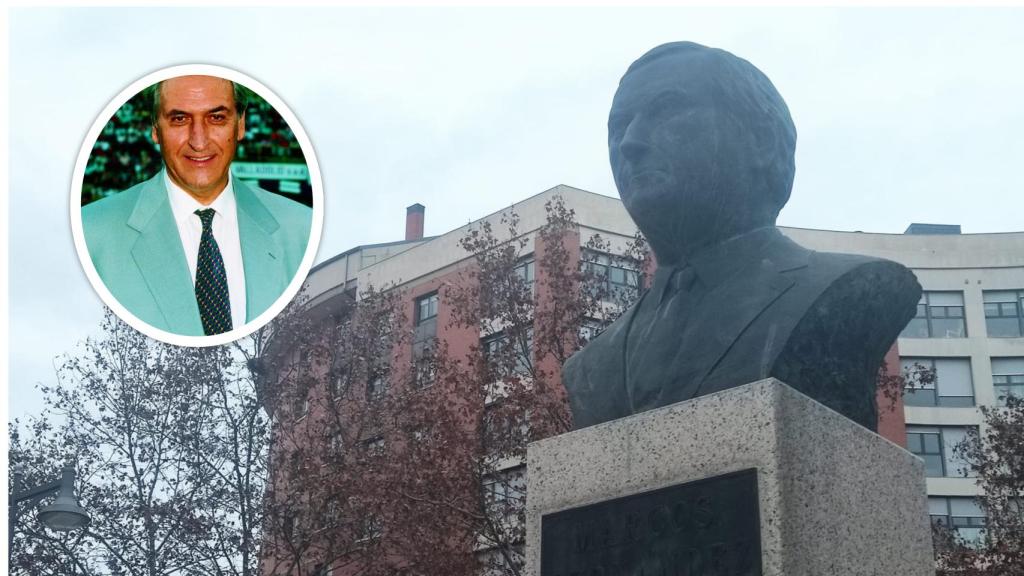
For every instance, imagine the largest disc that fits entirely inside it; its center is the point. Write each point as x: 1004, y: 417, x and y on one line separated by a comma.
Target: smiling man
x: 702, y: 150
x: 193, y: 251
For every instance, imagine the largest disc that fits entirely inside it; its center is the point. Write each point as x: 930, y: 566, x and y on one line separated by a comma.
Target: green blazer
x: 136, y: 249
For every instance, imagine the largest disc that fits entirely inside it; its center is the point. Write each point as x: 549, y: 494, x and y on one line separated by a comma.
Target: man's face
x: 675, y: 152
x: 197, y: 129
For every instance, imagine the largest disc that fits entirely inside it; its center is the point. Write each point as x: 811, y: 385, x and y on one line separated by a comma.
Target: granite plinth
x: 834, y: 497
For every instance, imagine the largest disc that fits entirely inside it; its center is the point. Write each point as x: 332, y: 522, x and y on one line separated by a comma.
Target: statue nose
x: 633, y: 146
x: 633, y: 150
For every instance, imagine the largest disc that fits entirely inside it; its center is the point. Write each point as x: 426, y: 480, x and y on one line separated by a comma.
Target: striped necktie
x: 211, y: 281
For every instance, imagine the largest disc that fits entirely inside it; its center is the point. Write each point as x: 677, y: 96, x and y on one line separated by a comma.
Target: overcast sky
x: 909, y: 115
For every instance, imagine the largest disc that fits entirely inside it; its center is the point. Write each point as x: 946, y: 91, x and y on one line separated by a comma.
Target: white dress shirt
x: 225, y: 232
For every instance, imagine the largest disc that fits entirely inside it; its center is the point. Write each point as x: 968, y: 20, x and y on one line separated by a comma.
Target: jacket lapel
x: 161, y: 259
x: 261, y: 254
x: 710, y: 338
x: 737, y: 302
x: 615, y: 369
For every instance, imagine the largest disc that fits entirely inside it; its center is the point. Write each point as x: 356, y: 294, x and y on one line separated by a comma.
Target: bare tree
x: 398, y: 453
x: 169, y: 443
x: 997, y: 458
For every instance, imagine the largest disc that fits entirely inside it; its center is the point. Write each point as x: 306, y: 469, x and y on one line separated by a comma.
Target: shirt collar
x: 183, y: 205
x: 715, y: 264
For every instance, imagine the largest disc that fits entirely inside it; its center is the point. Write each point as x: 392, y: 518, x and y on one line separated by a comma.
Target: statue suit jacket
x: 136, y: 249
x: 819, y: 322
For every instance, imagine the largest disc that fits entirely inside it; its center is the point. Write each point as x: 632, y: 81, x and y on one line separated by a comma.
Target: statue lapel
x: 741, y: 301
x: 738, y: 302
x: 713, y: 337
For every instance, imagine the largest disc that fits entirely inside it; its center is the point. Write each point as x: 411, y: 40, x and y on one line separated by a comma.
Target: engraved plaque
x: 710, y: 527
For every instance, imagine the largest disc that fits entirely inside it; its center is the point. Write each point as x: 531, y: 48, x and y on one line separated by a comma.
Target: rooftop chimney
x: 414, y: 222
x: 918, y: 228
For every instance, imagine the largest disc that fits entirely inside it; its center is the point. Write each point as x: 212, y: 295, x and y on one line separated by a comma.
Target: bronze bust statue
x: 702, y: 150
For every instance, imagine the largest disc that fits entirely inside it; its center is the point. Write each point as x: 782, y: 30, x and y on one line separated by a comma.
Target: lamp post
x: 63, y: 515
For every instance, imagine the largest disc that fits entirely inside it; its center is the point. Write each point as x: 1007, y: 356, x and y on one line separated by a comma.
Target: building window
x: 1004, y: 313
x: 425, y: 371
x: 518, y: 358
x: 588, y: 330
x: 332, y: 513
x: 610, y: 277
x: 420, y: 434
x: 374, y: 446
x: 962, y: 515
x: 505, y: 430
x: 302, y: 409
x: 336, y: 445
x: 426, y: 319
x: 426, y: 308
x: 336, y: 384
x: 1007, y: 378
x: 939, y: 315
x: 424, y: 362
x: 505, y: 494
x: 952, y: 387
x: 376, y: 387
x: 368, y: 528
x: 936, y: 446
x: 498, y: 562
x: 526, y: 271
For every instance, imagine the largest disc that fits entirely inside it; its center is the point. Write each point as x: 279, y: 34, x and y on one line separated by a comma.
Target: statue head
x: 701, y: 147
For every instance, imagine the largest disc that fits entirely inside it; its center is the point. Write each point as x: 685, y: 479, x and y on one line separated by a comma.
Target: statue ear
x: 766, y: 144
x: 773, y: 162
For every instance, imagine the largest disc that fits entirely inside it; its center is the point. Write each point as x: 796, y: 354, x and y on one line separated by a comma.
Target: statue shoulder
x: 847, y: 291
x: 864, y: 273
x: 827, y: 267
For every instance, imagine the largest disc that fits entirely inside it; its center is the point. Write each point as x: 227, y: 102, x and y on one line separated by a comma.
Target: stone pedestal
x: 827, y: 496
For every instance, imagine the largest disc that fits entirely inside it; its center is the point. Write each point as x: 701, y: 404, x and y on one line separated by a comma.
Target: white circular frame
x: 315, y: 229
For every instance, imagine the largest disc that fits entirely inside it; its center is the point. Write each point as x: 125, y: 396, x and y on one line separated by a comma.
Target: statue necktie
x: 211, y: 281
x: 655, y: 334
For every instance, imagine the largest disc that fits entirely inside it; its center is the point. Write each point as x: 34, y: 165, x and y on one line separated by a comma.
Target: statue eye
x: 617, y: 125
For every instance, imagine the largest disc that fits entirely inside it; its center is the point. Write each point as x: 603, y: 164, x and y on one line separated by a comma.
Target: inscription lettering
x: 706, y: 528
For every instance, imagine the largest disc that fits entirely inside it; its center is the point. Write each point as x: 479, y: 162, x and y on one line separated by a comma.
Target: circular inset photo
x: 196, y: 205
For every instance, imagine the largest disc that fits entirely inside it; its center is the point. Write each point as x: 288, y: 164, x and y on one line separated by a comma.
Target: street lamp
x: 63, y: 515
